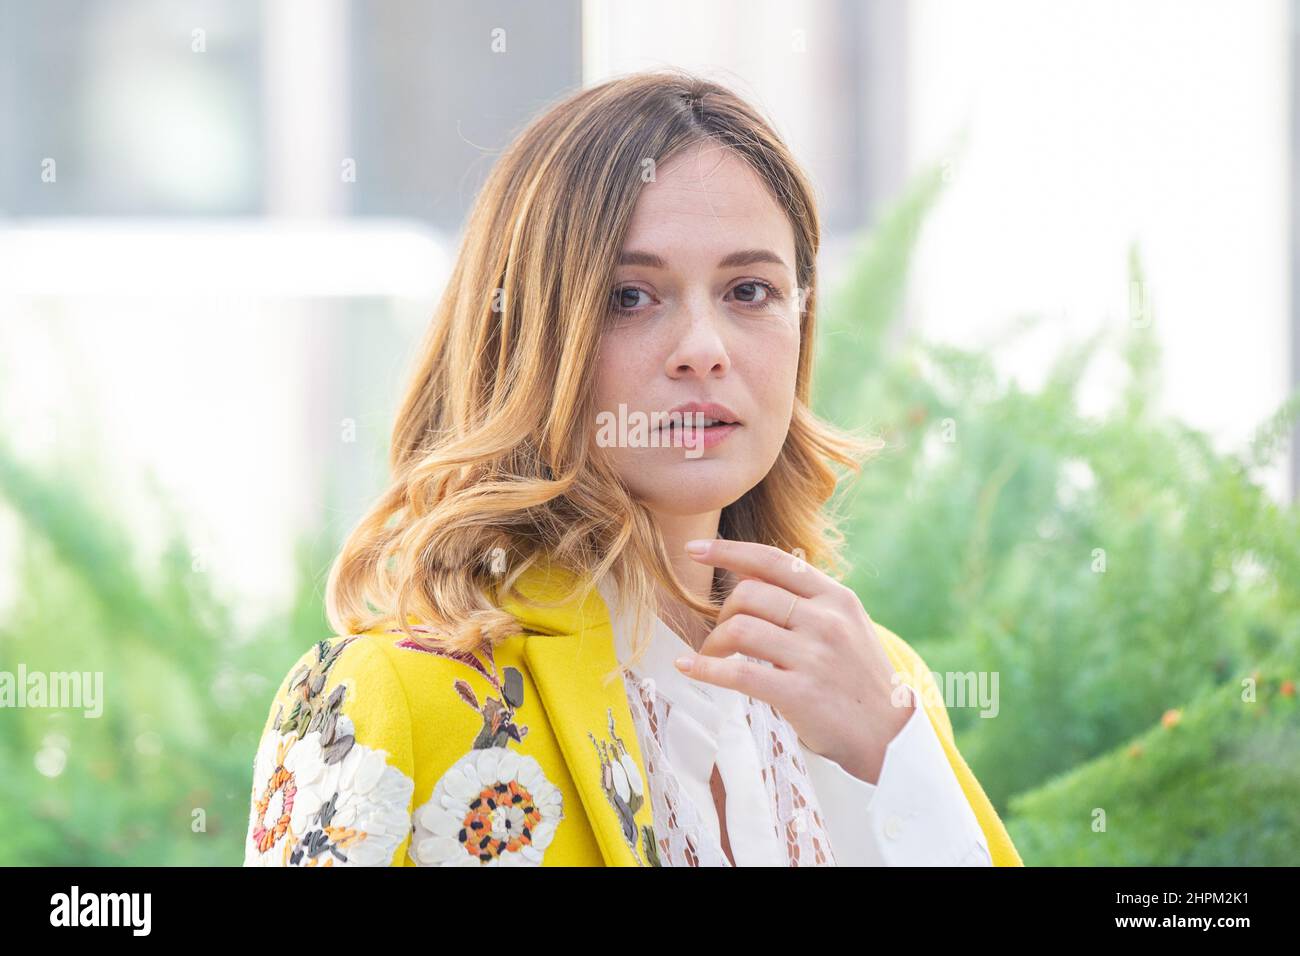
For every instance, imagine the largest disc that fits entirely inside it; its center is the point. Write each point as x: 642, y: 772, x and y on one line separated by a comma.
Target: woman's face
x: 704, y: 309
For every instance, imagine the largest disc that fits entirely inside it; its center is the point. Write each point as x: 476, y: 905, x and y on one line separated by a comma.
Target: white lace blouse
x: 785, y: 804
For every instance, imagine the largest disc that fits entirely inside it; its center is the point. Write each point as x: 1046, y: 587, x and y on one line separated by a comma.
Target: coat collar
x: 570, y: 651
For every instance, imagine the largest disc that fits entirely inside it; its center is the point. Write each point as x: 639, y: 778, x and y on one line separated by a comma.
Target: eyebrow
x: 744, y: 257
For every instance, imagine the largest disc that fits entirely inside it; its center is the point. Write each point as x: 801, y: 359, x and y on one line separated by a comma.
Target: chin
x: 676, y: 491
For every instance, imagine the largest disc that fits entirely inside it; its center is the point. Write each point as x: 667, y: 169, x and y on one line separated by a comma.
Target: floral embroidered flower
x: 320, y: 798
x: 493, y: 807
x: 308, y: 811
x: 620, y: 779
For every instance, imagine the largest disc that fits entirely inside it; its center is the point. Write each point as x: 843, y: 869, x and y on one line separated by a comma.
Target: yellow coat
x: 378, y: 752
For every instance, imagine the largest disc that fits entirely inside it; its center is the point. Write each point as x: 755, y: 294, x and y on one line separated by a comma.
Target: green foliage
x: 163, y: 776
x: 1216, y: 788
x: 1106, y: 568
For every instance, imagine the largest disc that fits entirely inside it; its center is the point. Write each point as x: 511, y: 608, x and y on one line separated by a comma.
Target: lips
x: 713, y: 412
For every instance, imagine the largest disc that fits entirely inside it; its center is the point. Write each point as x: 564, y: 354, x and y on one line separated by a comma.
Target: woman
x: 591, y: 620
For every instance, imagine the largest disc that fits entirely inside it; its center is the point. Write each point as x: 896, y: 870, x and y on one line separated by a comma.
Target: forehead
x: 707, y: 198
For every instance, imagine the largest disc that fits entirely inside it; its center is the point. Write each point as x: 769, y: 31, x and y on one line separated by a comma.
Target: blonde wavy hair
x: 493, y: 452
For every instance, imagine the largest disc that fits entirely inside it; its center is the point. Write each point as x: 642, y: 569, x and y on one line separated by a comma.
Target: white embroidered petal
x: 345, y: 727
x: 346, y: 815
x: 460, y: 786
x: 308, y: 798
x: 544, y: 792
x: 264, y: 762
x: 529, y: 773
x: 486, y: 764
x: 369, y: 853
x: 445, y: 850
x: 392, y: 790
x: 348, y: 768
x: 306, y: 804
x: 429, y: 816
x: 633, y: 774
x: 427, y: 850
x: 304, y: 760
x: 508, y: 766
x: 443, y: 824
x: 331, y: 779
x: 620, y: 781
x: 370, y: 769
x: 532, y: 854
x: 543, y: 834
x: 374, y: 827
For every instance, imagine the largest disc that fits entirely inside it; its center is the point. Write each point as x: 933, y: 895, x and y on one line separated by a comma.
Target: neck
x: 698, y: 577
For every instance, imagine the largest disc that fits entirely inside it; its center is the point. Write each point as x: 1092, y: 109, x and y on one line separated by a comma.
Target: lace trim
x: 684, y: 838
x: 790, y: 792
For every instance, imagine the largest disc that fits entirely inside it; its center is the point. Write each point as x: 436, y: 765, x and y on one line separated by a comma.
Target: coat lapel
x: 569, y: 650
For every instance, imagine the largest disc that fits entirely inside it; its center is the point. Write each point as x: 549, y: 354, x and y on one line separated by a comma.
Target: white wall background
x: 1097, y: 124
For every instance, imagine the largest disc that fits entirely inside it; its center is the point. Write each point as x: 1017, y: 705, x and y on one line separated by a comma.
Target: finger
x: 766, y: 563
x: 767, y: 601
x: 739, y: 674
x: 755, y: 637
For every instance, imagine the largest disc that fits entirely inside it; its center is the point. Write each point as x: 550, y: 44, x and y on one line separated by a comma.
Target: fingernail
x: 698, y: 546
x: 684, y: 663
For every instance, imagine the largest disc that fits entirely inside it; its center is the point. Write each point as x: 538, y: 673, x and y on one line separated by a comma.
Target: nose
x: 698, y: 348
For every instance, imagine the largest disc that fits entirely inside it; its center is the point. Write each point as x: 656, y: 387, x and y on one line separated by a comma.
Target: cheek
x: 612, y: 373
x: 775, y: 377
x: 774, y: 364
